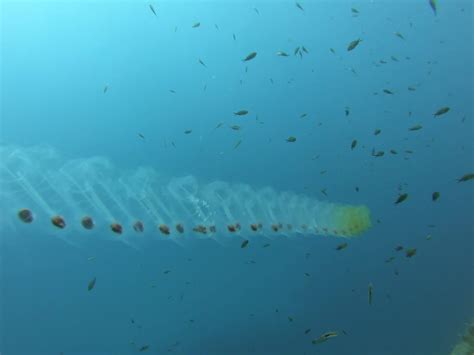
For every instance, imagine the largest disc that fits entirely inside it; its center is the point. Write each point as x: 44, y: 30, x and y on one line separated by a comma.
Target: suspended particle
x: 87, y: 222
x: 25, y: 215
x: 138, y: 226
x: 116, y: 228
x: 58, y: 221
x: 212, y: 229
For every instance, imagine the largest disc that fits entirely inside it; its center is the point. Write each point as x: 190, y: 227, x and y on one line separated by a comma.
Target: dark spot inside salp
x: 138, y: 226
x: 58, y: 221
x: 180, y: 228
x: 116, y: 228
x: 87, y: 222
x: 164, y: 229
x: 25, y: 215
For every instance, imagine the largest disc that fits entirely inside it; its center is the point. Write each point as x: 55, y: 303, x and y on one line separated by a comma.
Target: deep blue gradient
x: 56, y: 58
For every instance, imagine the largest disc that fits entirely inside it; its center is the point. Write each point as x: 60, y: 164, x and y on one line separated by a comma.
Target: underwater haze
x: 236, y: 177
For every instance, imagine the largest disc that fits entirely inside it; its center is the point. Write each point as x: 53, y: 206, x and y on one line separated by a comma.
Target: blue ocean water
x: 114, y: 79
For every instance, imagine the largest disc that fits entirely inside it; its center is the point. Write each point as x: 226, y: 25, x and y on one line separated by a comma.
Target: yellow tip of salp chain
x: 352, y: 221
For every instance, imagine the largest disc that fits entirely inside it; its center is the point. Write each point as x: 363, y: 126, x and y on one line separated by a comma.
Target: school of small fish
x: 370, y: 144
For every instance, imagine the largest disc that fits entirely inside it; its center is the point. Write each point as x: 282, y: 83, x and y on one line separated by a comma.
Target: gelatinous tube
x: 38, y: 187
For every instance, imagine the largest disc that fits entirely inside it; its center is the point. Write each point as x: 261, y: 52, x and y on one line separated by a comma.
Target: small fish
x: 415, y: 127
x: 233, y: 36
x: 399, y: 35
x: 298, y: 5
x: 410, y: 252
x: 434, y: 6
x: 144, y: 348
x: 346, y: 111
x: 378, y: 154
x: 297, y: 49
x: 217, y: 27
x: 250, y: 56
x: 188, y: 131
x: 256, y: 10
x: 307, y: 331
x: 401, y: 198
x: 353, y: 144
x: 91, y: 284
x: 196, y: 25
x: 357, y: 189
x: 282, y: 54
x: 353, y: 44
x: 106, y: 87
x: 172, y: 91
x: 244, y: 243
x: 435, y: 195
x: 290, y: 319
x: 466, y: 177
x: 394, y: 58
x: 306, y: 274
x: 428, y: 237
x: 341, y: 246
x: 441, y: 111
x: 266, y: 245
x: 303, y: 115
x: 237, y: 144
x: 332, y: 50
x: 398, y: 248
x: 304, y: 49
x: 411, y: 88
x: 166, y: 272
x: 389, y: 260
x: 235, y: 127
x: 202, y: 63
x: 141, y: 136
x: 377, y: 131
x: 291, y: 139
x: 323, y: 191
x: 241, y: 113
x: 387, y: 91
x: 324, y: 337
x: 354, y: 10
x: 369, y: 293
x: 152, y: 9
